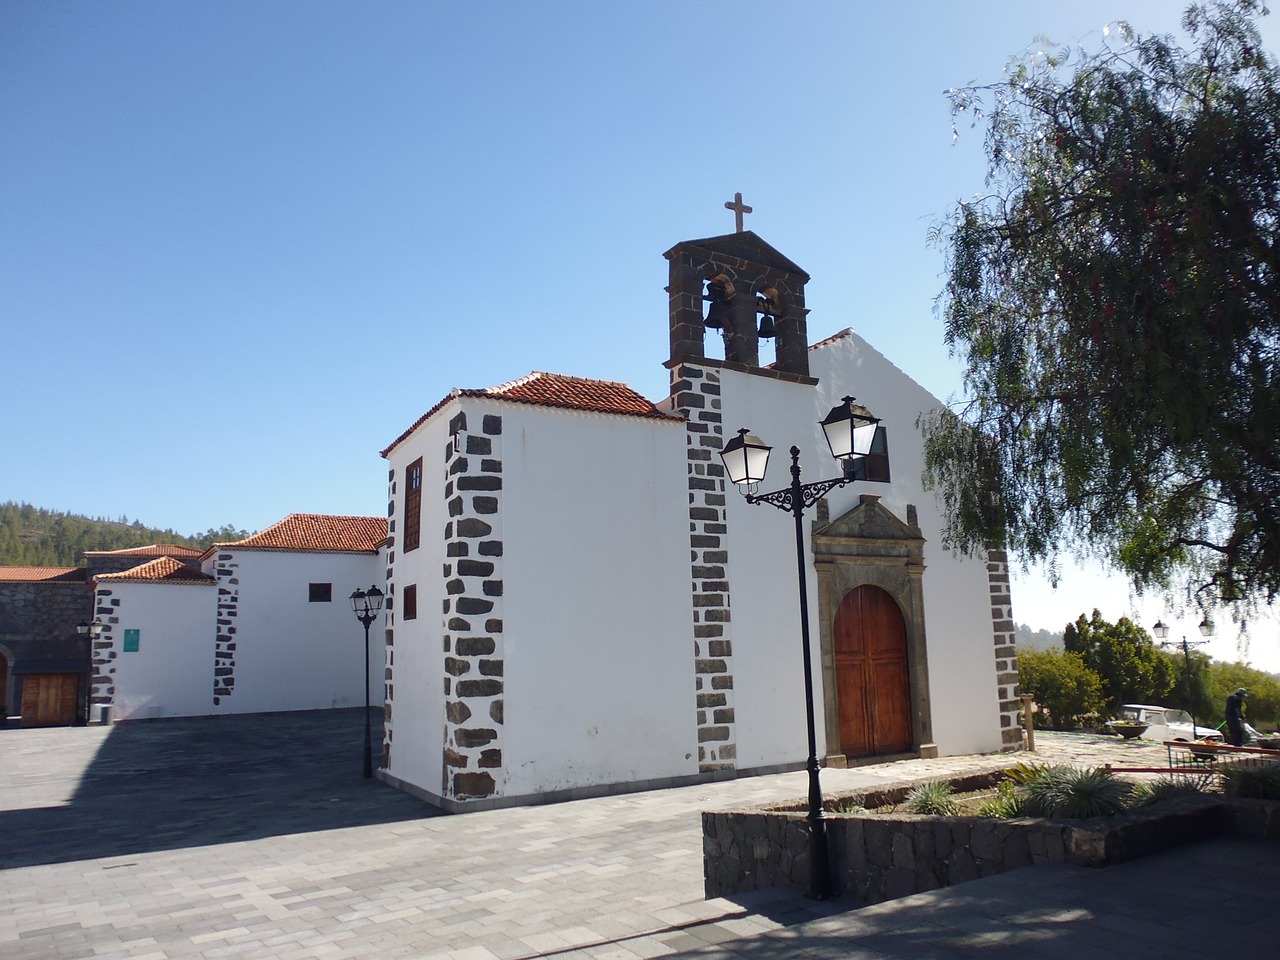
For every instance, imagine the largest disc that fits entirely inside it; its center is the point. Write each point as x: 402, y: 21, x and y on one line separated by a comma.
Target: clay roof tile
x: 162, y: 569
x: 541, y: 389
x: 154, y: 550
x: 41, y: 574
x: 318, y: 533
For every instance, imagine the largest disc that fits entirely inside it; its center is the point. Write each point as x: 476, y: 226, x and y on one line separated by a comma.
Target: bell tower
x: 738, y: 285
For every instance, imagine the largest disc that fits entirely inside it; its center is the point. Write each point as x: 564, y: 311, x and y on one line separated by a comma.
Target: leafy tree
x: 1195, y: 695
x: 1263, y: 704
x: 1130, y: 666
x: 1115, y: 298
x: 1064, y: 688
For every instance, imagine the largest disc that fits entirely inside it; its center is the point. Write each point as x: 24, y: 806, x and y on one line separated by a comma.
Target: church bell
x: 719, y: 291
x: 767, y: 328
x: 717, y: 313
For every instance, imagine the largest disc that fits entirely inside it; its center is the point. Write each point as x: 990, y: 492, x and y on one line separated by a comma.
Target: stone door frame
x: 870, y: 546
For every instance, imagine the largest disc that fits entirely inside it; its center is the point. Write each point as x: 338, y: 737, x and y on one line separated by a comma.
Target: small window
x: 412, y: 505
x: 320, y: 593
x: 875, y: 465
x: 409, y: 602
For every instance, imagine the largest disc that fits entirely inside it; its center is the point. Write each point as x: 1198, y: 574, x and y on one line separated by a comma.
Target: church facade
x: 580, y: 603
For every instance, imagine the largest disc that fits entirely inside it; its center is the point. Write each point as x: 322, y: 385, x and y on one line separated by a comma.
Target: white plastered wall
x: 292, y: 654
x: 171, y: 672
x: 598, y: 601
x: 768, y: 669
x: 417, y: 654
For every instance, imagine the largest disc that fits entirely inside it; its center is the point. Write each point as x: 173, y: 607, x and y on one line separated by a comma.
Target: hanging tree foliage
x: 1116, y: 301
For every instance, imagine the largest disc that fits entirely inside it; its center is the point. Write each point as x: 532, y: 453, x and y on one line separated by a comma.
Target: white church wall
x: 295, y: 654
x: 964, y: 695
x: 170, y: 674
x: 765, y: 627
x: 417, y: 704
x: 597, y: 601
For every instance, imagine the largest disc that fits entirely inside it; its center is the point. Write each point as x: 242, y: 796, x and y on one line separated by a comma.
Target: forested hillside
x: 1037, y: 639
x: 34, y: 537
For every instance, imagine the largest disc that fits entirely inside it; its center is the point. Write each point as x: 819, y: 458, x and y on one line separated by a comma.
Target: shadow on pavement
x: 185, y: 782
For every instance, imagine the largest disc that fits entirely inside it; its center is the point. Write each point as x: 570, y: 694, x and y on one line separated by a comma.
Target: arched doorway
x: 873, y: 678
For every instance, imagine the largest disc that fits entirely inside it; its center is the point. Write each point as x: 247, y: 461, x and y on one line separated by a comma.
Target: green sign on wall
x: 131, y: 641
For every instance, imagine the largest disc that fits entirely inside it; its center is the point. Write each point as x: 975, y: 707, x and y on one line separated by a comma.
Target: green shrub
x: 1257, y: 783
x: 846, y: 805
x: 1073, y: 793
x: 933, y: 798
x: 1023, y: 773
x: 1008, y: 802
x: 1168, y: 787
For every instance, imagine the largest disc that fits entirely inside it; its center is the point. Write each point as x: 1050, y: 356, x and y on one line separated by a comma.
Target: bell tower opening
x: 768, y: 309
x: 717, y: 296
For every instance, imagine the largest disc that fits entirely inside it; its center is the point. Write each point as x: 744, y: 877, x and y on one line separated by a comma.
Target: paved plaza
x: 256, y: 837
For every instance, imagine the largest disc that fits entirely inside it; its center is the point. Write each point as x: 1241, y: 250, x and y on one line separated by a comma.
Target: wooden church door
x: 872, y: 678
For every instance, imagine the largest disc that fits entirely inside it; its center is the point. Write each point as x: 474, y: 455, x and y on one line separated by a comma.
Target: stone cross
x: 738, y: 208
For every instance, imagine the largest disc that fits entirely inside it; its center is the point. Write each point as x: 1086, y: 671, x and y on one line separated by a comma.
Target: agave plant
x: 1075, y: 794
x: 933, y: 798
x: 1023, y: 773
x: 1258, y: 783
x: 1009, y: 802
x: 1168, y: 787
x: 847, y: 805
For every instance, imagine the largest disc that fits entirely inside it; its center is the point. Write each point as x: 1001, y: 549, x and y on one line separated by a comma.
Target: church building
x: 580, y: 603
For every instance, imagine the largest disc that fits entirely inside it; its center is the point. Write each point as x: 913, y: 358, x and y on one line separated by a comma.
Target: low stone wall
x: 883, y: 857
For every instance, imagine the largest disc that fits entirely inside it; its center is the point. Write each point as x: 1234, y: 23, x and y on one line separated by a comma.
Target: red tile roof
x: 557, y: 390
x: 155, y: 550
x: 832, y: 339
x: 164, y: 569
x: 41, y: 574
x: 318, y: 533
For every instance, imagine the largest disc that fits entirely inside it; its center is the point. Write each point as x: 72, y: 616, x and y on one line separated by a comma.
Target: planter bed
x: 878, y: 857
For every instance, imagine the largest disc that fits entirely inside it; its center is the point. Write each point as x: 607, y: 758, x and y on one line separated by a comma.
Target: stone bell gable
x: 749, y: 278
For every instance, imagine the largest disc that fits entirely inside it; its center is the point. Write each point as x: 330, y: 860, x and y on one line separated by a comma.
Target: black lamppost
x: 367, y: 604
x: 90, y: 632
x: 849, y: 429
x: 1206, y: 630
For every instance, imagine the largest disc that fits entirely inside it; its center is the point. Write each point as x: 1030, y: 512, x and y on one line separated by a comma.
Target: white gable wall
x: 598, y: 602
x: 417, y: 656
x: 171, y: 673
x: 958, y: 623
x: 292, y: 654
x: 765, y: 627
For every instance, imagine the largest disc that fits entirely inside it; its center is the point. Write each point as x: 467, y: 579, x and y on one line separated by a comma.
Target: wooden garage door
x: 872, y: 678
x: 49, y: 699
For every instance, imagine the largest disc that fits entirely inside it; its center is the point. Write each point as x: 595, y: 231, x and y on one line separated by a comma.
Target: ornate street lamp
x: 367, y: 604
x: 849, y: 429
x: 1206, y: 630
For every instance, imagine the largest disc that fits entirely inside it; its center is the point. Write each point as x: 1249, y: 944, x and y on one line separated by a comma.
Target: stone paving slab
x: 255, y: 837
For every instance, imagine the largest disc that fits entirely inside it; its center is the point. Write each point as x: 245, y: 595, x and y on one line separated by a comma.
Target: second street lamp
x: 849, y: 429
x: 367, y: 604
x: 1206, y: 630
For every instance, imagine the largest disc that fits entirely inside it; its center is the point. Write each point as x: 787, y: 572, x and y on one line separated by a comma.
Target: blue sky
x: 243, y: 244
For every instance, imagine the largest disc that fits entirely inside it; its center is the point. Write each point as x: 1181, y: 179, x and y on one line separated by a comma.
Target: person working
x: 1235, y: 717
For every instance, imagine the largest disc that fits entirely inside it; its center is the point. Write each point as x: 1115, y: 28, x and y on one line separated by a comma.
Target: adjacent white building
x: 263, y: 624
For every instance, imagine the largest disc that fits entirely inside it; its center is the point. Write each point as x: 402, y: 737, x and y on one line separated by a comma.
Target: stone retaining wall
x: 883, y: 857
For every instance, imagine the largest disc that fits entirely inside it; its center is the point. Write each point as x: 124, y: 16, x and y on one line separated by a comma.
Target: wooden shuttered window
x: 413, y: 505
